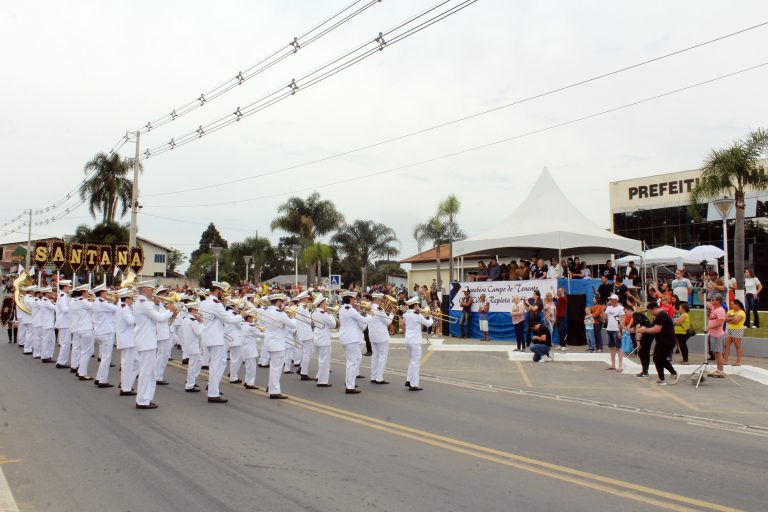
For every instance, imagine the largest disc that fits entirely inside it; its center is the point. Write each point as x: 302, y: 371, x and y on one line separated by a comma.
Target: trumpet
x: 172, y: 298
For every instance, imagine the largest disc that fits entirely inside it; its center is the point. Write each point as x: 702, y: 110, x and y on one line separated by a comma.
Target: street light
x: 295, y: 249
x: 216, y: 251
x: 247, y: 264
x: 724, y: 207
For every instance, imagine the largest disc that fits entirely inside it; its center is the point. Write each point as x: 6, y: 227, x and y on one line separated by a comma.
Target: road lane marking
x: 681, y: 401
x: 426, y: 357
x: 524, y: 374
x: 7, y: 501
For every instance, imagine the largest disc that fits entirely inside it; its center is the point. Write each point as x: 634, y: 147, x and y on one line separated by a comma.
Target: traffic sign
x: 335, y: 280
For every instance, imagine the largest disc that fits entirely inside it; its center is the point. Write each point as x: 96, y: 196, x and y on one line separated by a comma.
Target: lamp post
x: 295, y: 249
x: 724, y: 207
x: 247, y: 259
x: 216, y: 252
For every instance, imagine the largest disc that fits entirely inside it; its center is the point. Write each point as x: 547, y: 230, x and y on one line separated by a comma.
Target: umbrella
x: 704, y: 253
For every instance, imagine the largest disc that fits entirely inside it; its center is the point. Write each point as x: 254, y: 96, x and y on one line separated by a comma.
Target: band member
x: 62, y: 324
x: 37, y: 323
x: 48, y: 320
x: 81, y: 309
x: 104, y: 331
x: 191, y: 331
x: 414, y: 321
x: 125, y: 324
x: 25, y: 320
x: 293, y: 353
x: 264, y: 356
x: 147, y: 314
x: 278, y: 324
x: 251, y: 333
x: 304, y: 333
x: 163, y: 340
x: 323, y: 322
x: 378, y: 331
x: 351, y: 335
x: 215, y: 316
x: 234, y: 336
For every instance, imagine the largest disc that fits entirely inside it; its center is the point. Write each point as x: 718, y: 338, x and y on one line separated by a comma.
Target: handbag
x: 691, y: 331
x: 626, y: 343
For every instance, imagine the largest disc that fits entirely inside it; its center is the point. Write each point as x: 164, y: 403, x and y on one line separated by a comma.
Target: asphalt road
x: 66, y: 445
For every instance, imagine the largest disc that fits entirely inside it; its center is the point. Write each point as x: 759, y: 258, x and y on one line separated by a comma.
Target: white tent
x: 546, y: 220
x: 664, y: 255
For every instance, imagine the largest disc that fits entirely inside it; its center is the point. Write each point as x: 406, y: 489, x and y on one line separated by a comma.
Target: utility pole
x: 135, y: 197
x: 29, y: 241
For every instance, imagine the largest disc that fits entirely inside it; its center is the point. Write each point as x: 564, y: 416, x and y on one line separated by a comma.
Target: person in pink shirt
x: 716, y: 333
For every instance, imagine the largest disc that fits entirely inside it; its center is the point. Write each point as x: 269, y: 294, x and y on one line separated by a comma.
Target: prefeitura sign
x: 500, y: 293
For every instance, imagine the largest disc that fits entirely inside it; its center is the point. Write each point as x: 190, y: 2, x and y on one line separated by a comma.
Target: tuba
x: 129, y: 281
x: 18, y: 283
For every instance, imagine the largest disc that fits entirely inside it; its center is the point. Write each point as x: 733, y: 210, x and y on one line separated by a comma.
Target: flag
x: 115, y: 271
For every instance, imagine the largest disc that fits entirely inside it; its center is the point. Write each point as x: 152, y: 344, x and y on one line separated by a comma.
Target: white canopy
x: 547, y: 220
x: 664, y: 255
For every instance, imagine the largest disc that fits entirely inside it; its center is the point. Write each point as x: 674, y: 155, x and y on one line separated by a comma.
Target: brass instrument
x: 271, y: 322
x: 18, y: 283
x: 172, y: 298
x: 439, y: 316
x: 130, y: 281
x: 364, y: 306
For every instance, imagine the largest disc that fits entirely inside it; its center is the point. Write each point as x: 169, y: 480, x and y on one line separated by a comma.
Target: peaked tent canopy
x: 665, y: 255
x: 560, y: 227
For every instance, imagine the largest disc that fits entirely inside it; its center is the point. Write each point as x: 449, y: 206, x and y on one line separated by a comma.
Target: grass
x: 697, y: 318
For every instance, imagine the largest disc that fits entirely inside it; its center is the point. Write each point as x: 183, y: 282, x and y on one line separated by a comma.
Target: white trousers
x: 379, y: 360
x: 414, y: 361
x: 105, y: 343
x: 37, y: 346
x: 129, y: 368
x: 290, y: 353
x: 161, y: 358
x: 276, y: 358
x: 323, y: 364
x: 65, y: 344
x: 49, y: 343
x: 193, y: 369
x: 147, y: 381
x: 75, y: 350
x: 216, y: 369
x: 85, y: 344
x: 235, y: 362
x: 306, y: 355
x: 21, y: 336
x: 250, y: 371
x: 354, y: 355
x: 205, y: 357
x: 263, y: 356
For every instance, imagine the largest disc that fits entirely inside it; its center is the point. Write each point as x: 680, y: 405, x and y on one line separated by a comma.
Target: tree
x: 106, y: 233
x: 175, y: 259
x: 366, y: 241
x: 448, y: 209
x: 307, y: 219
x: 437, y: 231
x: 202, y: 269
x: 383, y: 269
x: 316, y: 255
x: 108, y: 187
x: 731, y: 171
x: 254, y: 246
x: 210, y: 238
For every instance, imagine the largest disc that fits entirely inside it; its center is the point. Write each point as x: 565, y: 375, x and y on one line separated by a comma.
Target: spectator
x: 550, y: 311
x: 683, y: 329
x: 494, y: 270
x: 523, y: 271
x: 518, y: 321
x: 482, y: 314
x: 682, y: 288
x: 597, y: 313
x: 716, y: 319
x: 541, y: 342
x: 752, y: 289
x: 605, y: 289
x: 631, y: 273
x: 437, y: 326
x: 561, y: 317
x: 466, y: 313
x: 533, y: 311
x: 589, y: 329
x: 540, y: 272
x: 609, y: 271
x: 512, y: 270
x: 628, y: 326
x: 734, y: 331
x: 621, y: 290
x: 482, y: 272
x: 664, y: 331
x: 433, y: 290
x: 586, y: 273
x: 611, y: 317
x: 533, y: 264
x: 555, y: 271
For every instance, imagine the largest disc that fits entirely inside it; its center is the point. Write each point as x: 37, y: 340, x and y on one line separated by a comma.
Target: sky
x: 78, y: 76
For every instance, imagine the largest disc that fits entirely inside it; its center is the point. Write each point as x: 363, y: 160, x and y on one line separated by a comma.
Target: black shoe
x: 162, y: 382
x: 360, y: 377
x: 204, y: 367
x: 368, y: 354
x: 248, y: 386
x: 217, y: 400
x: 127, y: 393
x: 106, y: 385
x: 238, y: 381
x: 297, y: 365
x: 35, y: 357
x: 407, y: 384
x: 306, y: 377
x: 192, y: 390
x: 72, y: 370
x: 47, y: 360
x: 325, y: 385
x: 151, y: 405
x: 415, y: 388
x: 111, y: 365
x: 278, y: 396
x: 379, y: 382
x: 289, y: 371
x: 81, y: 377
x: 61, y: 365
x: 185, y: 361
x: 352, y: 391
x: 96, y: 382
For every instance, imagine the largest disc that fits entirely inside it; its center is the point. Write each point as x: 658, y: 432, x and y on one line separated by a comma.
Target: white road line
x: 7, y: 503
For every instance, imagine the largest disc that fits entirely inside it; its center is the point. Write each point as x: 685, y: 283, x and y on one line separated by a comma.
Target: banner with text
x: 500, y: 293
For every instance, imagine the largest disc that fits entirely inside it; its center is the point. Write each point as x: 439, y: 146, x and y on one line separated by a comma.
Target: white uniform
x: 82, y: 332
x: 324, y: 322
x: 48, y: 320
x: 263, y: 353
x: 37, y: 325
x: 104, y: 331
x: 163, y: 345
x: 351, y: 335
x: 25, y: 326
x: 125, y: 324
x: 305, y: 335
x: 145, y: 338
x: 214, y: 318
x: 250, y: 333
x: 413, y: 324
x: 378, y: 332
x: 62, y: 325
x: 233, y: 335
x: 190, y: 342
x: 278, y: 325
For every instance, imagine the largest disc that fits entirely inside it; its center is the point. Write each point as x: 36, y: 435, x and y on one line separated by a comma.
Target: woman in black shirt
x: 664, y: 329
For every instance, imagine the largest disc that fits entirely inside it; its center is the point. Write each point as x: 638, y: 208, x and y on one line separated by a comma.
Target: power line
x: 476, y: 148
x: 464, y: 118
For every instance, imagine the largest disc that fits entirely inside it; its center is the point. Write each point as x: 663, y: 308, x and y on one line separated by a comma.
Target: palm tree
x: 308, y: 219
x: 366, y: 241
x: 449, y: 209
x: 730, y: 171
x: 108, y: 187
x: 437, y: 230
x: 315, y: 255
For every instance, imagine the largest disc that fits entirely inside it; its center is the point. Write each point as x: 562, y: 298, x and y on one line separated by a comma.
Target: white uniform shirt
x: 233, y: 332
x: 163, y: 327
x: 277, y: 324
x: 214, y: 317
x: 378, y: 329
x: 250, y: 334
x: 324, y: 322
x: 37, y: 320
x: 47, y: 313
x: 190, y: 335
x: 413, y: 324
x: 125, y: 324
x: 103, y: 317
x: 352, y: 325
x: 62, y: 311
x: 24, y: 317
x: 147, y: 316
x: 80, y: 315
x: 303, y: 323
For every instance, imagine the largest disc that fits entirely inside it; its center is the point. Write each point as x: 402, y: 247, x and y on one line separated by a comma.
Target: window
x: 159, y: 258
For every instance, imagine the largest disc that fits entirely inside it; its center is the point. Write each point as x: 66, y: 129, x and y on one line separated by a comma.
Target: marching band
x: 144, y: 321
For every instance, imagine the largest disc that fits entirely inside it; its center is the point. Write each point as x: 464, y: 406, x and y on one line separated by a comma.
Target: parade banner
x: 121, y: 257
x: 501, y: 293
x: 58, y: 255
x: 105, y: 258
x: 40, y: 255
x: 91, y: 257
x: 136, y: 261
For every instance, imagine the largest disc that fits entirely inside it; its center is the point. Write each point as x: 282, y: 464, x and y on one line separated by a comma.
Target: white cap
x: 277, y: 296
x: 65, y: 282
x: 124, y: 292
x: 301, y: 295
x: 102, y: 287
x: 348, y: 293
x: 146, y: 284
x: 160, y: 289
x: 81, y: 288
x: 29, y: 288
x: 319, y: 299
x: 192, y: 305
x: 613, y: 297
x: 466, y: 288
x: 223, y: 285
x: 377, y: 295
x: 47, y: 289
x: 412, y: 301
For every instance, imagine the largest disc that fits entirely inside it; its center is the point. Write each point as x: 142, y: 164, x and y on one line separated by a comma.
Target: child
x: 589, y: 327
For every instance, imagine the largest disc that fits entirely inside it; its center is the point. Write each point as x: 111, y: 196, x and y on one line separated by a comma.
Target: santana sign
x: 89, y: 256
x: 500, y: 293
